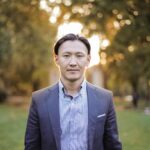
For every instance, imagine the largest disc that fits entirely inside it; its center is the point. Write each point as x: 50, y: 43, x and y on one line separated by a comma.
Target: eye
x: 66, y: 55
x: 80, y: 56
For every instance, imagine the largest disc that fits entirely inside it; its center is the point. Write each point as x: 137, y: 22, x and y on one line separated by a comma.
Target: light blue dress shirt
x: 73, y: 118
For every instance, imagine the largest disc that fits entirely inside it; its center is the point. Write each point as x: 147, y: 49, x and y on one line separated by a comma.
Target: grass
x: 134, y: 128
x: 12, y: 127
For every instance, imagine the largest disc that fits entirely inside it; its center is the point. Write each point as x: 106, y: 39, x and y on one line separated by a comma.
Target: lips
x: 72, y: 69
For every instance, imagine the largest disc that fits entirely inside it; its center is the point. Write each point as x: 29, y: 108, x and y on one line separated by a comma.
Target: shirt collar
x: 81, y: 92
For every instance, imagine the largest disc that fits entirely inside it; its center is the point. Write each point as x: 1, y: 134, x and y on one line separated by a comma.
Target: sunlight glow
x: 104, y: 44
x: 54, y: 14
x: 76, y: 28
x: 51, y: 1
x: 43, y: 5
x: 95, y: 45
x: 131, y: 48
x: 66, y: 28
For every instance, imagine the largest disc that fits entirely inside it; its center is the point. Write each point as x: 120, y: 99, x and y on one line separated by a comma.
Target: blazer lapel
x: 53, y: 108
x: 92, y: 113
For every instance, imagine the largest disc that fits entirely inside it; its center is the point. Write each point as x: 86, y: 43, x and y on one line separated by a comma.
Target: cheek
x: 84, y: 64
x: 61, y: 62
x: 62, y: 66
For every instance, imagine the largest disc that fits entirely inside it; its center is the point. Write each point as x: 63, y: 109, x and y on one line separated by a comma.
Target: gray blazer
x: 43, y: 125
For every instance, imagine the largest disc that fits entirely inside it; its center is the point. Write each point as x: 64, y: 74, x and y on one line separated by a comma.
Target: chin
x: 72, y: 79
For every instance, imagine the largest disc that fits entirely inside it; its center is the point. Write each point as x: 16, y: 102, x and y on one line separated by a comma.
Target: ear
x: 56, y: 59
x: 88, y: 60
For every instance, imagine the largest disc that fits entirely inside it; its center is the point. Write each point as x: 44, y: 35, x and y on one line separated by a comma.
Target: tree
x: 128, y: 54
x: 26, y: 37
x: 125, y: 23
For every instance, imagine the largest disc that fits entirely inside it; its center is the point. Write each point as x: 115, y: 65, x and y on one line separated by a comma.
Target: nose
x: 73, y: 61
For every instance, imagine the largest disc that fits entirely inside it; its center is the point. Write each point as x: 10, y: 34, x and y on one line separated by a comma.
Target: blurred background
x: 119, y: 34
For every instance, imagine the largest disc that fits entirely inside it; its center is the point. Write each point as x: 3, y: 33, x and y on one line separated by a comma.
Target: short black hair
x: 71, y: 37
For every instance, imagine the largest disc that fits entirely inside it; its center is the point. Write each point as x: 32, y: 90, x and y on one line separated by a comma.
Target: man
x: 73, y: 114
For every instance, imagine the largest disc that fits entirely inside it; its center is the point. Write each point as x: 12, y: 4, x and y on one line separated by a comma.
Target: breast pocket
x: 100, y: 120
x: 100, y: 124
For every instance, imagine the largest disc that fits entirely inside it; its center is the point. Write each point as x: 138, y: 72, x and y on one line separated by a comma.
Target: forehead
x: 73, y: 46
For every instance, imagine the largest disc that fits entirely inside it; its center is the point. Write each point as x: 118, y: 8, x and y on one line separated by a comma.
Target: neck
x: 72, y: 87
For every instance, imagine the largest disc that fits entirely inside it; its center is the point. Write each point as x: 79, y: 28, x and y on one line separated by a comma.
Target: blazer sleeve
x: 111, y: 138
x: 32, y: 135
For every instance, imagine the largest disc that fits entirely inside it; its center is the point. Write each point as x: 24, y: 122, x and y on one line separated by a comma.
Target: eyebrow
x: 74, y: 53
x: 80, y: 53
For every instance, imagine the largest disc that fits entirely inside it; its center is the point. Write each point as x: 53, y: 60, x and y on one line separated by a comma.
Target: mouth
x: 72, y: 70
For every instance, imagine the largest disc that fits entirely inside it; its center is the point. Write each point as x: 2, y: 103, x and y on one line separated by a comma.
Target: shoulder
x: 102, y: 97
x: 99, y: 90
x: 44, y: 92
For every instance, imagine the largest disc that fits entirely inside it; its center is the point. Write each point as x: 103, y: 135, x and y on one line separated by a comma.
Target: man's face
x: 72, y: 59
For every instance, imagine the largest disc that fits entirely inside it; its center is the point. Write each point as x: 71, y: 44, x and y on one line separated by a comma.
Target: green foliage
x: 126, y: 24
x: 25, y: 39
x: 26, y: 33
